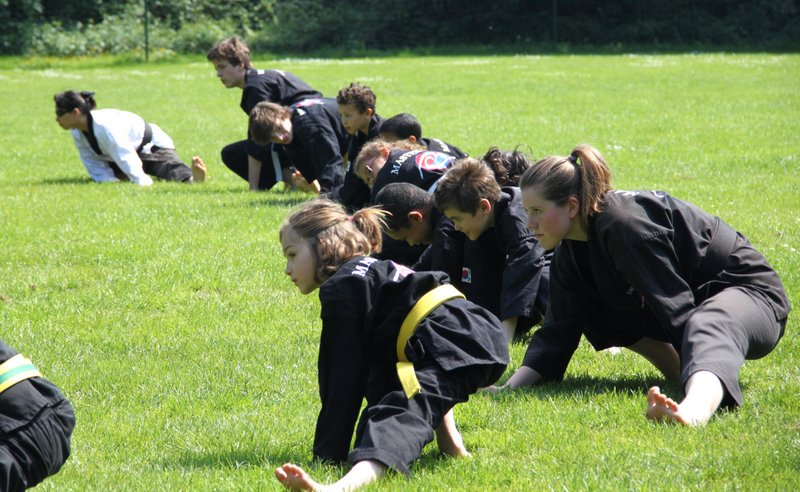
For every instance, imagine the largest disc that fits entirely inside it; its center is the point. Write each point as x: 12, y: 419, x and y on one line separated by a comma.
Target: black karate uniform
x: 446, y: 251
x: 505, y: 269
x: 36, y: 423
x: 437, y: 145
x: 318, y: 143
x: 458, y: 348
x: 355, y: 194
x: 422, y: 168
x: 655, y: 266
x: 276, y: 86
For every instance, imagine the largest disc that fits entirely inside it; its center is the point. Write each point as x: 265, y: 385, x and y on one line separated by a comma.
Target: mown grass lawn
x: 165, y: 316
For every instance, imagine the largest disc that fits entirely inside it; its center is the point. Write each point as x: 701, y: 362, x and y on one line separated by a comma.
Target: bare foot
x: 661, y: 407
x: 295, y: 478
x: 449, y: 438
x: 199, y: 171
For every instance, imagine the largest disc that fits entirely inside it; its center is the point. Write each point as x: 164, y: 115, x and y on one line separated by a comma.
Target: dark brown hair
x: 233, y: 50
x: 465, y: 184
x: 507, y: 166
x: 358, y: 95
x: 265, y: 120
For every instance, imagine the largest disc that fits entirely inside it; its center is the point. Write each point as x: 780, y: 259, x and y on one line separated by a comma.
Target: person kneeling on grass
x: 36, y: 423
x: 644, y: 270
x: 406, y: 341
x: 116, y: 144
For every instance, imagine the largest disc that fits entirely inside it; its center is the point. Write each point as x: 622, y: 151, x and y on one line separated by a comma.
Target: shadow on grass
x: 579, y: 386
x: 236, y: 459
x: 66, y: 181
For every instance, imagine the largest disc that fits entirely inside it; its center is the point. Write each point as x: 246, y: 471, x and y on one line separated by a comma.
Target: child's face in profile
x: 418, y: 230
x: 353, y: 120
x: 472, y: 225
x: 301, y: 262
x: 230, y: 75
x: 368, y: 171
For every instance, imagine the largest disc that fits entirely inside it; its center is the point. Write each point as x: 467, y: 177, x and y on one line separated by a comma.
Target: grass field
x: 165, y: 316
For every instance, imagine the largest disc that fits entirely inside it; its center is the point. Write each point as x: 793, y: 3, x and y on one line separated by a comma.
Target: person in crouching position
x: 406, y: 341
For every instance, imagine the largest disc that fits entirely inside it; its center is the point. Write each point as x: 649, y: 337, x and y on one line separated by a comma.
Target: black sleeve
x: 651, y: 267
x: 322, y: 146
x: 354, y: 194
x: 447, y: 251
x: 343, y: 373
x: 521, y: 275
x: 551, y: 346
x: 254, y: 94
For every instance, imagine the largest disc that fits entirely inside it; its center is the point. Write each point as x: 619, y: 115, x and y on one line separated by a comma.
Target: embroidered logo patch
x: 433, y: 161
x: 466, y: 275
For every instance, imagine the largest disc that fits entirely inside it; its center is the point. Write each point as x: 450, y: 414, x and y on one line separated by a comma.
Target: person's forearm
x: 253, y: 172
x: 525, y: 376
x: 510, y: 327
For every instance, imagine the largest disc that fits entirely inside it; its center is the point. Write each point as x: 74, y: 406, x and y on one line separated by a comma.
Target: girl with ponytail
x: 411, y: 360
x: 116, y: 144
x: 644, y: 270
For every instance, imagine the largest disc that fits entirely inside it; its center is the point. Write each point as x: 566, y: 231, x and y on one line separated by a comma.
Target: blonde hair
x: 372, y: 150
x: 336, y: 236
x: 583, y: 174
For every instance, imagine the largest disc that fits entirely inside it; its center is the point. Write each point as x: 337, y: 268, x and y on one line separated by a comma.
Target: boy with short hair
x: 414, y: 218
x: 505, y: 269
x: 357, y: 111
x: 405, y: 126
x: 260, y: 165
x: 311, y: 134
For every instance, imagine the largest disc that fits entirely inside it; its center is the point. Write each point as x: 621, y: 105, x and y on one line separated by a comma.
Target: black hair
x: 508, y: 166
x: 402, y: 126
x: 399, y: 199
x: 69, y: 100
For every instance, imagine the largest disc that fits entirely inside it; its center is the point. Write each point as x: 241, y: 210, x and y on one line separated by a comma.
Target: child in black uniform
x: 357, y: 110
x: 647, y: 271
x: 405, y: 126
x: 505, y: 269
x: 380, y: 163
x: 260, y: 165
x: 313, y: 137
x: 36, y: 423
x: 411, y: 378
x: 414, y: 219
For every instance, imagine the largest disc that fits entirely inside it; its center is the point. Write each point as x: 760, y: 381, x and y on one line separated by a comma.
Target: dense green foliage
x: 165, y: 315
x: 85, y: 27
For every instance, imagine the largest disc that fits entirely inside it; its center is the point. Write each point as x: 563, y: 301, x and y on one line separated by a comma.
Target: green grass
x: 164, y: 314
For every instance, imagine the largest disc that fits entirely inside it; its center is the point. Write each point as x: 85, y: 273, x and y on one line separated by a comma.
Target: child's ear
x: 369, y: 112
x: 485, y: 205
x: 416, y: 217
x: 384, y: 152
x: 412, y: 139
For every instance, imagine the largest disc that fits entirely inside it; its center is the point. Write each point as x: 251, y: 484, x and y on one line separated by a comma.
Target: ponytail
x: 67, y: 101
x: 584, y: 174
x: 336, y: 237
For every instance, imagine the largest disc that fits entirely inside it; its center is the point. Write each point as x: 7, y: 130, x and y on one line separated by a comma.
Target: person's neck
x: 83, y: 123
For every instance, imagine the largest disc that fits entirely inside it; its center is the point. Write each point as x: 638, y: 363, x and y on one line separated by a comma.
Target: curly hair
x: 508, y: 166
x: 360, y: 96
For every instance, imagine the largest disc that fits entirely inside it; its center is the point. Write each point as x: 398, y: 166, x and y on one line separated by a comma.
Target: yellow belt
x: 423, y: 307
x: 16, y: 369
